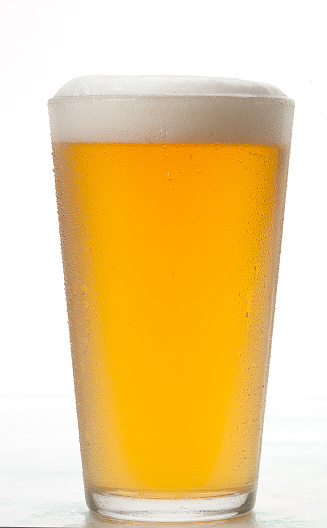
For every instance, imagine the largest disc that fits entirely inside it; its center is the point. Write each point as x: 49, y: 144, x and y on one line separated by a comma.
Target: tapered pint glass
x: 170, y: 195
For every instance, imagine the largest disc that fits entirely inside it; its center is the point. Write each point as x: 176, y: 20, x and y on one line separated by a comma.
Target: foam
x: 168, y: 109
x: 131, y: 86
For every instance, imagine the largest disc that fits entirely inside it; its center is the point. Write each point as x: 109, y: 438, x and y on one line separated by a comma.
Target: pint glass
x: 171, y: 195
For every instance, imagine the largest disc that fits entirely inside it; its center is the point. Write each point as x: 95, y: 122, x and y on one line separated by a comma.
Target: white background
x: 43, y: 45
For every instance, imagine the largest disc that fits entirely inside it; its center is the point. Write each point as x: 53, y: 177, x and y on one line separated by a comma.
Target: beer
x: 170, y: 252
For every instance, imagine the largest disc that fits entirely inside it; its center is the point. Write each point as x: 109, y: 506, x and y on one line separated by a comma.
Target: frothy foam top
x: 152, y: 109
x: 145, y: 85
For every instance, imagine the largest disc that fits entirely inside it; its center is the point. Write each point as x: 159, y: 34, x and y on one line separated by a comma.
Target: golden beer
x: 170, y: 252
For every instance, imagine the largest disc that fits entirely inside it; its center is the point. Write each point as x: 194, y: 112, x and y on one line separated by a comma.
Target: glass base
x: 223, y: 506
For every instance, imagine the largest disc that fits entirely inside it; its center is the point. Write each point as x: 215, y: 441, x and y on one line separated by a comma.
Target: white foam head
x: 153, y: 109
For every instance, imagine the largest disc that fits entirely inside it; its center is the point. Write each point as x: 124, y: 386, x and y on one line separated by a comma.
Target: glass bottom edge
x: 211, y: 508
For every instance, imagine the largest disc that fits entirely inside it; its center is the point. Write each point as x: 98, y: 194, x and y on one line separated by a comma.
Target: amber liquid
x: 171, y: 256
